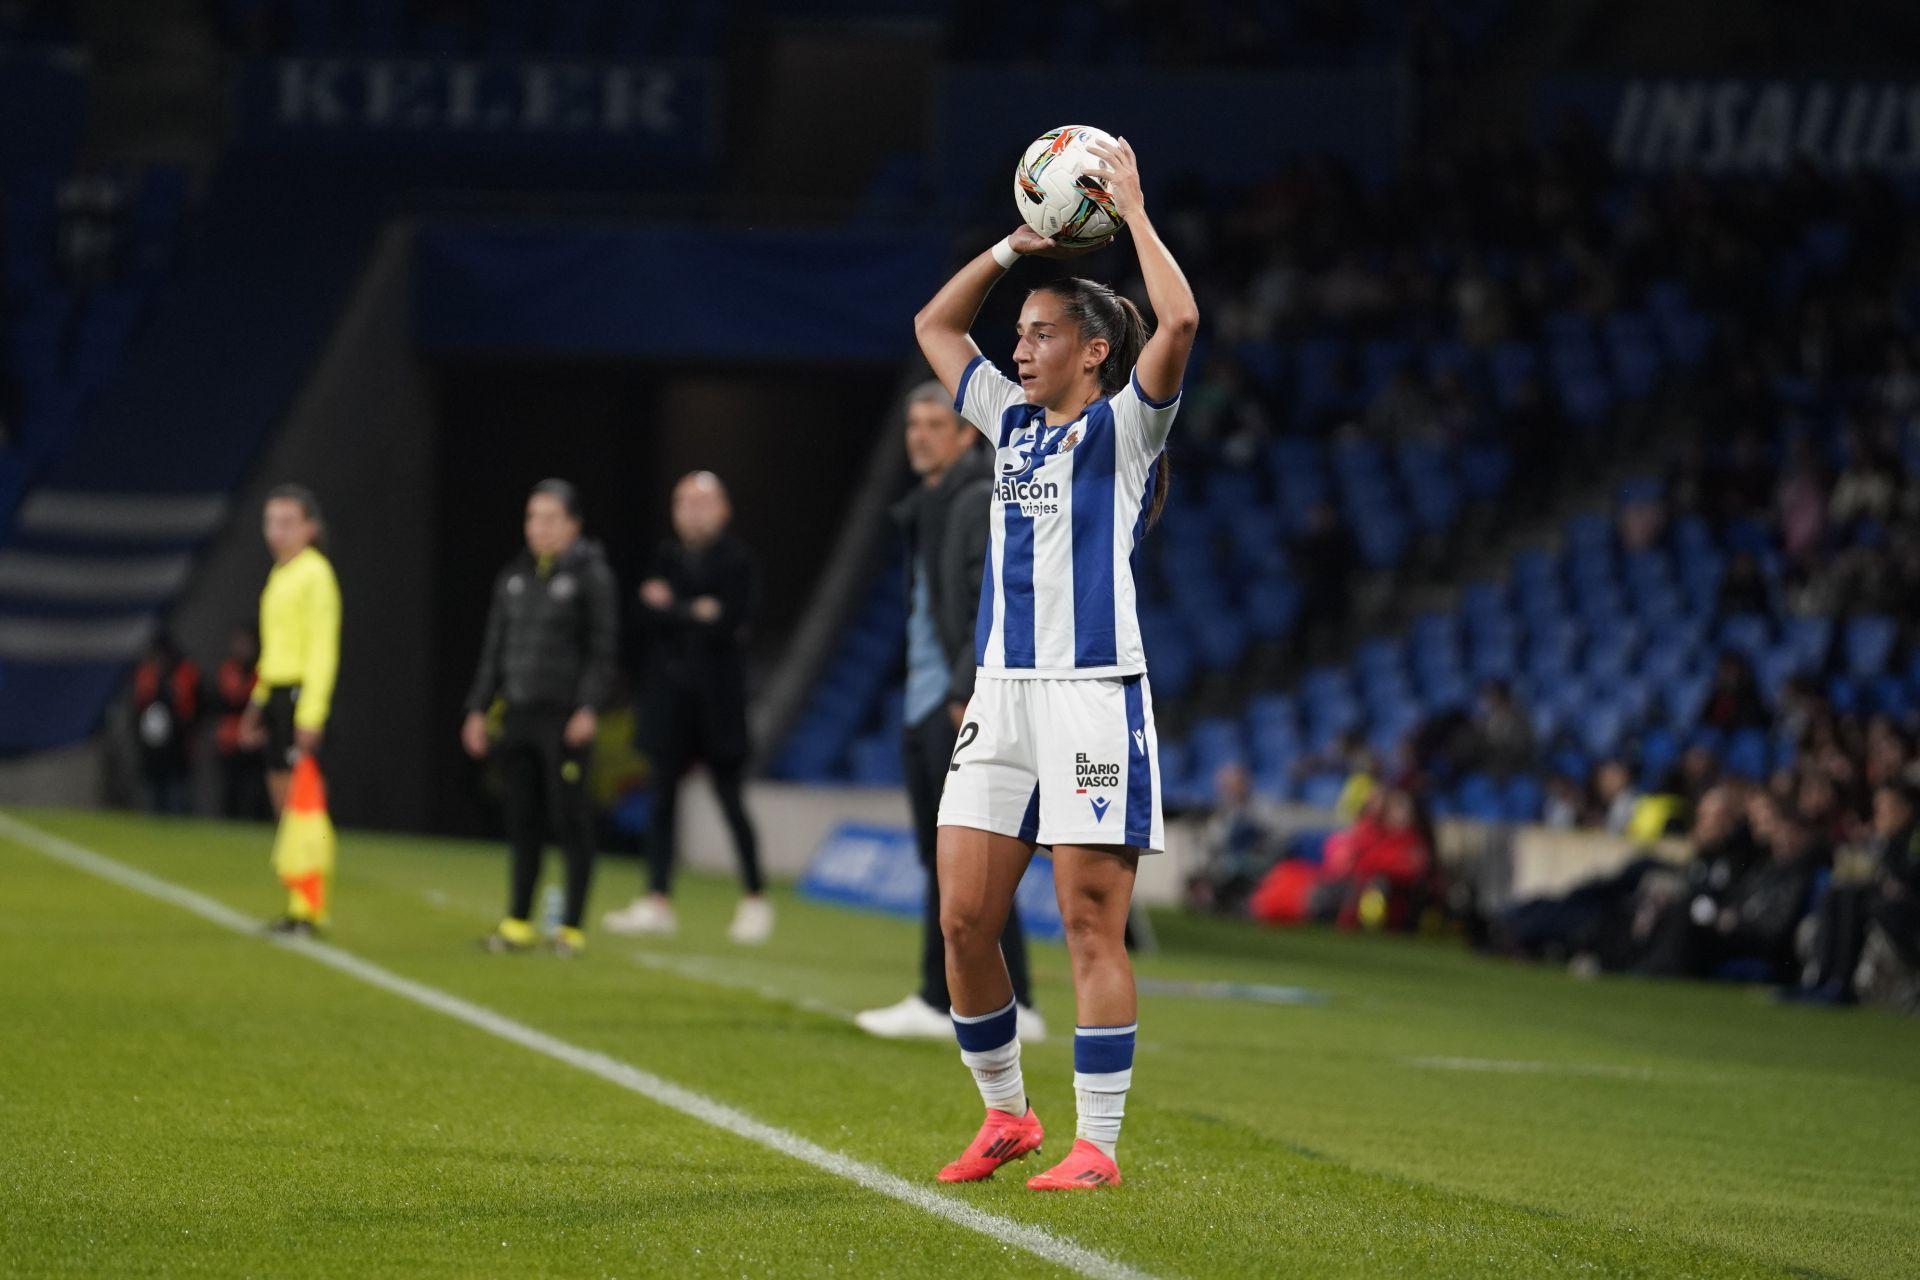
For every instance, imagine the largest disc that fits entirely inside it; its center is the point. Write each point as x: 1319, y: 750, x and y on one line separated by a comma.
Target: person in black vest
x: 944, y: 519
x: 697, y: 602
x: 548, y: 660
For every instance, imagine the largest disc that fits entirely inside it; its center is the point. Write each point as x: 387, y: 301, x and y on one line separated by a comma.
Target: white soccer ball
x: 1060, y: 188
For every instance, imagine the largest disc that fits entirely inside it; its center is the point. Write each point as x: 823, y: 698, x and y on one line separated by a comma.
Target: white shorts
x: 1058, y: 762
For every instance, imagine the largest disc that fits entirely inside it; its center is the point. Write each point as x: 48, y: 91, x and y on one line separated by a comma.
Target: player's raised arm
x: 1163, y: 361
x: 943, y: 325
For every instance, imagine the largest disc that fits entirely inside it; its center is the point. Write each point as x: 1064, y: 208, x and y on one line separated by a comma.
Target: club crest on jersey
x: 1073, y: 438
x: 1033, y: 447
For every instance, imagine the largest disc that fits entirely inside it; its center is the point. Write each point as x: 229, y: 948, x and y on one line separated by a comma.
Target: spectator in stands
x: 1800, y: 505
x: 546, y: 668
x: 1734, y: 702
x: 1733, y: 917
x: 1867, y: 485
x: 243, y: 769
x: 1374, y: 874
x: 944, y: 521
x: 1564, y: 803
x: 1500, y: 738
x: 1880, y: 901
x: 166, y: 712
x: 697, y: 602
x: 1614, y: 796
x: 1240, y: 844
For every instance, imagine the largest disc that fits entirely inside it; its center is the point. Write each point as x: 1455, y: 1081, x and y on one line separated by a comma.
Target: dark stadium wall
x: 360, y: 435
x: 791, y: 442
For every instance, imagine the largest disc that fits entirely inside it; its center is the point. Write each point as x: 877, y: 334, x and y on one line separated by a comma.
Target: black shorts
x: 278, y: 716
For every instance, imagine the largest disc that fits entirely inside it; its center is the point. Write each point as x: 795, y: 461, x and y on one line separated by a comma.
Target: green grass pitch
x: 176, y: 1099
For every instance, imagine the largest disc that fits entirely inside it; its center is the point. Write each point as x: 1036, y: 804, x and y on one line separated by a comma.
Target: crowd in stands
x: 180, y: 713
x: 83, y: 252
x: 1728, y: 655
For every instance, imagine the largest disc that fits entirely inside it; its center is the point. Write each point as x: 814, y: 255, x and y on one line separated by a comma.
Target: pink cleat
x: 1085, y: 1166
x: 1002, y: 1138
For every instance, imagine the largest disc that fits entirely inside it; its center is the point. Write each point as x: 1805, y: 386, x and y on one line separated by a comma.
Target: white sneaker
x: 752, y: 922
x: 1028, y: 1025
x: 642, y: 917
x: 911, y: 1019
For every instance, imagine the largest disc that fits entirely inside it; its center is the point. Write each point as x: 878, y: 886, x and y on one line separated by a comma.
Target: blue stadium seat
x: 1659, y: 751
x: 1479, y: 798
x: 1685, y: 697
x: 1869, y: 644
x: 1523, y: 799
x: 1322, y: 790
x: 1602, y: 728
x: 1748, y: 634
x: 1747, y: 754
x: 1810, y: 637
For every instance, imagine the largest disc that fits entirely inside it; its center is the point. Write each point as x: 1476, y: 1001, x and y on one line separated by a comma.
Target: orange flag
x: 303, y: 848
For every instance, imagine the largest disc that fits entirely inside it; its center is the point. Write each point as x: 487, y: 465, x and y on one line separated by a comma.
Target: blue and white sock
x: 1102, y: 1074
x: 991, y: 1050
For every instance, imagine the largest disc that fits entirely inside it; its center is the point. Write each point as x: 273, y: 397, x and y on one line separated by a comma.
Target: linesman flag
x: 303, y: 849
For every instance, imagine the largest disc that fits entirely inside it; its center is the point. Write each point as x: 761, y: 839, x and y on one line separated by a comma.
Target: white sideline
x: 1033, y: 1240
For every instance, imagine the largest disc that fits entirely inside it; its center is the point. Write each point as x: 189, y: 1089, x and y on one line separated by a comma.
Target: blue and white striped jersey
x: 1069, y: 503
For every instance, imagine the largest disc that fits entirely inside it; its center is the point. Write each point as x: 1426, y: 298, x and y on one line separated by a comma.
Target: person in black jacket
x: 944, y: 519
x: 697, y: 601
x: 548, y: 658
x: 1886, y: 900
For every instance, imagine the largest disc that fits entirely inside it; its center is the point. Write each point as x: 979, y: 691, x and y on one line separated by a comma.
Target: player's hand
x: 705, y: 609
x: 582, y: 727
x: 1124, y: 180
x: 656, y: 594
x: 1031, y: 244
x: 306, y: 741
x: 957, y: 711
x: 473, y: 735
x: 253, y: 728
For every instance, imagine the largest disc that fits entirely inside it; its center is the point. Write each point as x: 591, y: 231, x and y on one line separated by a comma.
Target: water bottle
x: 551, y: 906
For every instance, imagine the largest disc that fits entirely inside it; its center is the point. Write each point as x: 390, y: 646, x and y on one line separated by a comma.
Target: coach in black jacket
x: 944, y: 520
x: 552, y: 634
x: 696, y: 604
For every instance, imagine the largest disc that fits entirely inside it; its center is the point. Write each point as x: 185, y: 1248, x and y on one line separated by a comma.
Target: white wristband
x: 1005, y: 254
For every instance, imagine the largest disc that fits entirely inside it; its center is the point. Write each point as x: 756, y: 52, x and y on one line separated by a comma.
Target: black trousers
x: 546, y: 786
x: 928, y: 751
x: 729, y: 778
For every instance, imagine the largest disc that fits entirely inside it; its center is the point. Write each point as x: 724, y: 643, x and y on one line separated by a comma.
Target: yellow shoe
x: 568, y: 942
x: 510, y: 935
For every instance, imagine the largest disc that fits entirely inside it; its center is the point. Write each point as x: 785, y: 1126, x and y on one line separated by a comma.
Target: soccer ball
x: 1059, y: 187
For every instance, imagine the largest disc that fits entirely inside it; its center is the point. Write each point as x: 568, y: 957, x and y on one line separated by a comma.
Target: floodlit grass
x: 178, y: 1099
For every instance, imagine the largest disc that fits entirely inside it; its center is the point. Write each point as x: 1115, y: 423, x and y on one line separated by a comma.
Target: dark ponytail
x: 1102, y: 313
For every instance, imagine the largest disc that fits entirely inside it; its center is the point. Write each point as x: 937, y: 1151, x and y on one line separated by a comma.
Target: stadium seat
x: 1869, y: 642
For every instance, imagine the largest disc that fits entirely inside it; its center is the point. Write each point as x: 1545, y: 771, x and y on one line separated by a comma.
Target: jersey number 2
x: 968, y: 732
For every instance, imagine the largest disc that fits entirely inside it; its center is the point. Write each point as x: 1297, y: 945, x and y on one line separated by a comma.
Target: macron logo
x: 1140, y: 741
x: 1099, y: 804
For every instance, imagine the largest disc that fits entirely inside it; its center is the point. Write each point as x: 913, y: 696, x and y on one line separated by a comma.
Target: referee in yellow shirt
x: 299, y: 645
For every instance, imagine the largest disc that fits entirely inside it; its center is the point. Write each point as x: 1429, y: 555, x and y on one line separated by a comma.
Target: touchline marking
x: 1041, y: 1244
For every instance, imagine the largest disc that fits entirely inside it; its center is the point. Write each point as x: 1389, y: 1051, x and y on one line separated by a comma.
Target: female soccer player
x: 1057, y: 746
x: 299, y: 657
